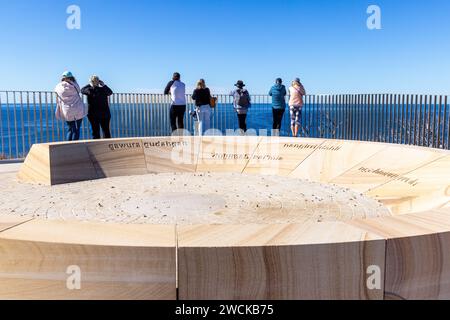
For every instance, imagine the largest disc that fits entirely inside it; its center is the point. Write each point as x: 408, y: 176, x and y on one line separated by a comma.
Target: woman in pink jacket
x: 70, y: 106
x: 296, y: 91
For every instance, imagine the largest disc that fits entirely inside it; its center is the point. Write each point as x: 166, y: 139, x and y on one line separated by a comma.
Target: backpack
x: 242, y: 98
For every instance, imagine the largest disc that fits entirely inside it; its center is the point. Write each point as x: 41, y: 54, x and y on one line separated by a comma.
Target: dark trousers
x: 104, y: 123
x: 277, y: 118
x: 73, y: 130
x: 242, y: 118
x: 177, y: 117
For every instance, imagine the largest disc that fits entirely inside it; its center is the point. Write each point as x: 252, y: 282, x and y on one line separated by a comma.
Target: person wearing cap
x: 69, y: 105
x: 241, y: 102
x: 278, y: 94
x: 99, y: 114
x: 296, y: 91
x: 177, y: 91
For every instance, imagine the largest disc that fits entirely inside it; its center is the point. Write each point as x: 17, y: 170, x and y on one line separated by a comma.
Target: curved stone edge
x: 417, y: 253
x: 40, y: 260
x: 297, y: 261
x: 278, y: 262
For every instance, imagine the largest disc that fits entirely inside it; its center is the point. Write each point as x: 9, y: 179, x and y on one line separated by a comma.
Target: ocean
x: 23, y: 125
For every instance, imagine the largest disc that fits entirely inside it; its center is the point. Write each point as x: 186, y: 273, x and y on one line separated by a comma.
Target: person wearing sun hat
x: 69, y: 105
x: 99, y: 114
x: 241, y: 102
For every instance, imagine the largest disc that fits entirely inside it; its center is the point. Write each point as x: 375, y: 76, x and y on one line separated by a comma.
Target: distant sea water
x: 22, y: 126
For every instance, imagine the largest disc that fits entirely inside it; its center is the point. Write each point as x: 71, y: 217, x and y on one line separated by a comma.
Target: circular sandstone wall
x: 336, y: 219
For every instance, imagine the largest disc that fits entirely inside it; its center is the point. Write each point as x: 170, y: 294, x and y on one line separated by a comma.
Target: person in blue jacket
x: 278, y: 93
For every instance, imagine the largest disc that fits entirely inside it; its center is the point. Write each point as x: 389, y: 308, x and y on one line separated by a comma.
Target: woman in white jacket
x: 70, y: 106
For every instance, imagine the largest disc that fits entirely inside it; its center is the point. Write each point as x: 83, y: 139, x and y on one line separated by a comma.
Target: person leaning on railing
x: 177, y: 91
x: 296, y: 91
x: 278, y: 94
x: 99, y: 114
x: 202, y: 98
x: 242, y: 102
x: 69, y: 105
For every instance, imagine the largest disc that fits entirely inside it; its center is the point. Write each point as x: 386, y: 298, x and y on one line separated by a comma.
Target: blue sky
x: 137, y: 45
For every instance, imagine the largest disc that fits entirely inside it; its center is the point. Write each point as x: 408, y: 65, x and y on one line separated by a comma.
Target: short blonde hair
x: 201, y: 84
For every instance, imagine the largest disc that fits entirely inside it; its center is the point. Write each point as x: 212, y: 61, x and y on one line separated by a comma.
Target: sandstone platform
x: 405, y: 241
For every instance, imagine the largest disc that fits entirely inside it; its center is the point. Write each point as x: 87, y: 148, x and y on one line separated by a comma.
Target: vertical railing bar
x: 52, y: 113
x: 393, y: 118
x: 321, y: 113
x: 145, y: 114
x: 420, y: 138
x: 9, y: 125
x: 2, y: 146
x: 155, y: 125
x: 439, y: 123
x: 401, y: 104
x: 434, y: 121
x: 365, y: 116
x: 346, y: 119
x: 316, y: 102
x: 447, y: 116
x: 429, y: 127
x: 330, y: 118
x: 369, y: 131
x: 386, y: 117
x: 341, y: 116
x: 358, y: 117
x: 425, y: 117
x: 394, y: 123
x: 400, y: 118
x: 15, y: 125
x: 22, y: 124
x: 46, y: 117
x: 35, y: 118
x: 414, y: 138
x: 119, y: 121
x: 407, y: 122
x: 41, y: 134
x: 128, y: 115
x: 142, y: 114
x: 353, y: 116
x: 375, y: 126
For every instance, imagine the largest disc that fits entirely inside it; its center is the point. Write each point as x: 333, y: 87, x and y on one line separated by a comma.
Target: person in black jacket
x: 99, y: 115
x: 202, y: 98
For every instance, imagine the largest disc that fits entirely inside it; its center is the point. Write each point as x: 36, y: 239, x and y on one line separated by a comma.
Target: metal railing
x: 27, y: 117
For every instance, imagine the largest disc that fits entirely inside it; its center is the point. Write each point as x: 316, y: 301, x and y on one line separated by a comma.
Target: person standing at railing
x: 177, y: 91
x: 296, y: 91
x: 242, y: 102
x: 278, y: 94
x: 202, y: 98
x: 69, y: 105
x: 99, y: 114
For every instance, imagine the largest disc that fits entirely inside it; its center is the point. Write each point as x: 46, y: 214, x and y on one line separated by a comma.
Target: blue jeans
x: 204, y: 119
x: 73, y: 130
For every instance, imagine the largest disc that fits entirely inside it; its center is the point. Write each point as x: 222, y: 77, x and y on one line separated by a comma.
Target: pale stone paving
x: 187, y: 198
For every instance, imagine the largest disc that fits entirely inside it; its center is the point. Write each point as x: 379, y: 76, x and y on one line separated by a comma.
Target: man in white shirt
x: 177, y: 91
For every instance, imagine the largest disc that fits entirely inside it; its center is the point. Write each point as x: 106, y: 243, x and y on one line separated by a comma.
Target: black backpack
x: 242, y: 98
